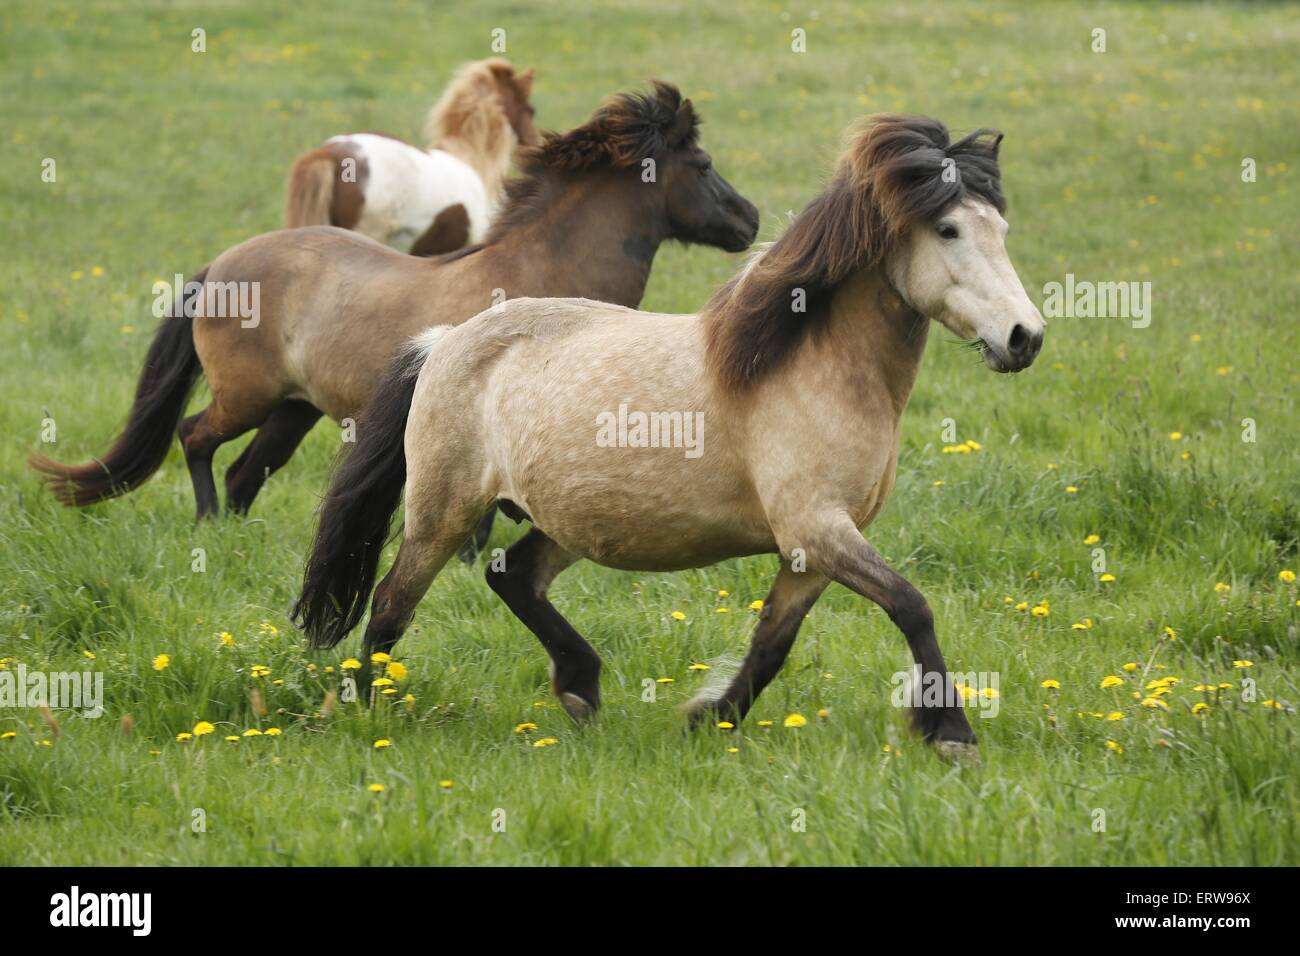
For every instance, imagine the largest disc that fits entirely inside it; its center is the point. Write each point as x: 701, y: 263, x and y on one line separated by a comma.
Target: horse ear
x: 524, y: 81
x: 997, y: 144
x: 683, y: 122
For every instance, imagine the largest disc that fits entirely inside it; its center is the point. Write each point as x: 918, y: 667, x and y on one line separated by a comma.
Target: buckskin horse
x: 801, y: 367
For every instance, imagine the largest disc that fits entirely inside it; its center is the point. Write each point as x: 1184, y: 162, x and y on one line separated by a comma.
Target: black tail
x: 169, y: 372
x: 358, y: 510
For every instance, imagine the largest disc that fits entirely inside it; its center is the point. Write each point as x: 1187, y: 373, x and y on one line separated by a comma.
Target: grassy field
x: 1119, y: 166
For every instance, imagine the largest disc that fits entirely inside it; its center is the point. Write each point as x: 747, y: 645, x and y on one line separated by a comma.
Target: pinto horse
x: 799, y: 368
x: 583, y: 219
x: 422, y: 201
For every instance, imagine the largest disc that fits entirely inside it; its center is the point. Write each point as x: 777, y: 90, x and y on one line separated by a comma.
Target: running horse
x: 799, y: 369
x: 422, y: 201
x: 333, y: 306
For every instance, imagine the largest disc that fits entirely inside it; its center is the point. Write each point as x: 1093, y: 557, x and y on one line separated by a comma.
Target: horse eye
x: 947, y: 231
x: 704, y: 169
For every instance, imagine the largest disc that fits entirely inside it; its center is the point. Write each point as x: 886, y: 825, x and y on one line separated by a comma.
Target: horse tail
x: 170, y: 370
x: 358, y: 509
x: 311, y: 190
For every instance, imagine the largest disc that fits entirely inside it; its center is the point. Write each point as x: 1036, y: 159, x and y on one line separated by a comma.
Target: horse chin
x: 992, y: 360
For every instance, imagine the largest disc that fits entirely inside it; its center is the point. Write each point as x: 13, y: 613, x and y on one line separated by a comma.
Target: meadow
x: 1115, y: 532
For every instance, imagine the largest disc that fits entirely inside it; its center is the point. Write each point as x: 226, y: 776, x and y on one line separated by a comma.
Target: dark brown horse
x: 330, y: 307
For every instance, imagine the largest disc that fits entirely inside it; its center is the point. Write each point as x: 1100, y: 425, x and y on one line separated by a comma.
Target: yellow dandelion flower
x: 988, y: 693
x: 1050, y: 684
x: 183, y: 736
x: 1286, y: 576
x: 1175, y: 436
x: 1153, y: 702
x: 376, y: 788
x: 351, y: 664
x: 1084, y: 625
x: 1130, y: 667
x: 765, y: 723
x: 1222, y: 588
x: 227, y: 639
x: 756, y: 605
x: 445, y: 784
x: 379, y: 657
x: 397, y: 671
x: 259, y: 671
x: 823, y: 714
x: 1106, y: 578
x: 97, y: 271
x: 698, y: 667
x: 1040, y: 611
x: 273, y: 731
x: 794, y: 720
x: 1092, y: 539
x: 202, y: 728
x: 545, y: 742
x: 383, y: 744
x: 1115, y: 715
x: 1272, y: 703
x: 733, y: 750
x: 409, y: 700
x: 1111, y: 681
x: 1071, y: 490
x: 1171, y: 633
x: 1114, y: 745
x: 525, y: 727
x: 162, y: 662
x: 382, y: 682
x: 266, y: 627
x: 724, y: 594
x: 233, y: 738
x: 724, y: 610
x: 678, y: 616
x: 88, y: 655
x: 1022, y: 606
x: 726, y: 725
x: 1243, y: 663
x: 1200, y: 707
x: 937, y: 483
x: 252, y: 732
x: 664, y: 680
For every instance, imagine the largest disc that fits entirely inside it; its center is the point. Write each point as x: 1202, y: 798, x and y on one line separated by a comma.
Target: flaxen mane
x: 626, y: 129
x: 896, y: 172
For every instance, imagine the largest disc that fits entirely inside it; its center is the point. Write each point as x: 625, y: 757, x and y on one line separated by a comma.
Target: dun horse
x: 335, y: 306
x: 800, y: 411
x: 422, y: 201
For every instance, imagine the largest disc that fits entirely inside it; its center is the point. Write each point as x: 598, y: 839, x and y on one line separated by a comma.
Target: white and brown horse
x: 422, y: 201
x: 795, y: 376
x: 333, y: 306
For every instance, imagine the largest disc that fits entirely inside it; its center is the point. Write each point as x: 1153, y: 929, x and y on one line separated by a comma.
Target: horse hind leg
x: 272, y: 446
x: 478, y: 541
x: 201, y: 435
x: 792, y: 596
x: 531, y: 564
x: 426, y: 547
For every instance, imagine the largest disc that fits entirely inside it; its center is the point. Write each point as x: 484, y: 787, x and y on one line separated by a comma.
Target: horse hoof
x: 576, y: 707
x: 958, y: 752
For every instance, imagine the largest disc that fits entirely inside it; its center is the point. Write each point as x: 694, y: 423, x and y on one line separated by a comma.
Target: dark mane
x: 894, y: 174
x: 624, y: 130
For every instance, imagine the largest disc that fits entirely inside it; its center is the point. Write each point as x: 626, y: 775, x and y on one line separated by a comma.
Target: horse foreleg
x: 844, y: 556
x: 793, y: 594
x: 531, y: 564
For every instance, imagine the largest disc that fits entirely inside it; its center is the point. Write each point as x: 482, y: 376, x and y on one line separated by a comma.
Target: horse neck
x: 595, y: 237
x: 485, y: 147
x: 874, y: 340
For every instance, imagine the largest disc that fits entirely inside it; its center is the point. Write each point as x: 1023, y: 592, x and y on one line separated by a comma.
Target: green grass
x: 166, y: 157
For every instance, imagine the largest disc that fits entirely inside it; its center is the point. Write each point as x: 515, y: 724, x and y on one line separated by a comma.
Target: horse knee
x: 909, y: 610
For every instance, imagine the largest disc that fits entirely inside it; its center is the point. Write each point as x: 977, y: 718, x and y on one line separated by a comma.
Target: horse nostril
x: 1020, y: 342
